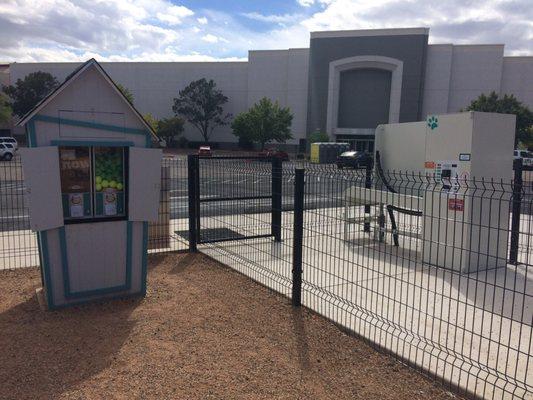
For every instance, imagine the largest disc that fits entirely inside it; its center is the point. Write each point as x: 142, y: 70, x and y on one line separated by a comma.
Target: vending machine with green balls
x: 93, y: 184
x: 93, y: 181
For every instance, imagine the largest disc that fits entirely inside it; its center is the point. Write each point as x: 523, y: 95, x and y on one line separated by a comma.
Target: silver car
x: 6, y: 152
x: 10, y: 141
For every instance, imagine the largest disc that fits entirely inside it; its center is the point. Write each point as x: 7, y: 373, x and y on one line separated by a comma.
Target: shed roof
x: 71, y: 78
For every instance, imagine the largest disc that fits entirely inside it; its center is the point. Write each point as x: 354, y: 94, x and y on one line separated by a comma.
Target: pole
x: 192, y: 169
x: 516, y: 206
x: 298, y: 232
x: 277, y: 174
x: 368, y: 185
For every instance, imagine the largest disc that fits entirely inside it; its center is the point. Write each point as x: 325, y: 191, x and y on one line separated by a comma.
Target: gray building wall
x: 364, y: 98
x: 409, y: 48
x: 436, y: 79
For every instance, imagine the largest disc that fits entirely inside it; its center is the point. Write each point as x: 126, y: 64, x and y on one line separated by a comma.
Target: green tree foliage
x: 151, y: 120
x: 508, y: 104
x: 126, y: 92
x: 27, y: 92
x: 264, y: 122
x: 318, y: 137
x: 200, y: 103
x: 5, y: 109
x: 170, y: 128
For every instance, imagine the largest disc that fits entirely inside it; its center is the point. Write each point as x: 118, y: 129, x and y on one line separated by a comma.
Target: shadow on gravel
x: 45, y: 354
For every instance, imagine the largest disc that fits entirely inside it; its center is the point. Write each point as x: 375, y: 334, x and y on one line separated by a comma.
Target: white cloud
x: 278, y: 19
x: 210, y: 38
x: 174, y: 15
x: 72, y: 30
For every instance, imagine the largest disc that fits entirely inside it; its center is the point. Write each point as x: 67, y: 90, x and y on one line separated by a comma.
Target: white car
x: 6, y: 152
x: 9, y: 140
x: 526, y: 156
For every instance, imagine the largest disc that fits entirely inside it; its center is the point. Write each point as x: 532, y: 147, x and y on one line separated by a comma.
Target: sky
x: 224, y: 30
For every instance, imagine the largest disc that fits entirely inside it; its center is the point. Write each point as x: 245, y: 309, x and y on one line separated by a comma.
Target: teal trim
x: 129, y: 252
x: 64, y: 259
x: 42, y: 238
x: 148, y: 143
x: 30, y: 130
x: 91, y: 143
x: 144, y: 259
x: 100, y: 291
x: 91, y: 125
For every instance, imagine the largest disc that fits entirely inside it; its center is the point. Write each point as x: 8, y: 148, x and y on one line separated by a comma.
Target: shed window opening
x: 93, y: 182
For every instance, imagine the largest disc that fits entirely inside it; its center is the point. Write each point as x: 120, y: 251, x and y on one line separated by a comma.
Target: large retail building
x: 345, y: 83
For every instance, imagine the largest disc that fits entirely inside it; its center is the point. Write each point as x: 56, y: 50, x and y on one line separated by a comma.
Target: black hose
x: 381, y: 174
x: 391, y: 208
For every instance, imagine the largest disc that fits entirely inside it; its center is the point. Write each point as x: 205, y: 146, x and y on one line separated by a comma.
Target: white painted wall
x: 517, y: 78
x: 475, y: 69
x: 437, y: 79
x: 155, y: 85
x: 456, y: 75
x: 281, y: 75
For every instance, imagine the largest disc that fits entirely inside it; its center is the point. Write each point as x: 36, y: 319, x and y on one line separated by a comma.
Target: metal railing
x: 421, y: 271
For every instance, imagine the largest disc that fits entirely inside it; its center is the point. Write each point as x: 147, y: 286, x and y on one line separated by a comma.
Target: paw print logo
x: 433, y: 122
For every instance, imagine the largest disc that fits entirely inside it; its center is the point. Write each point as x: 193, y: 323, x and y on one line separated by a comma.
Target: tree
x: 169, y: 128
x: 25, y: 94
x: 263, y: 122
x: 508, y: 104
x: 5, y: 109
x: 126, y: 92
x: 200, y: 103
x: 151, y: 120
x: 318, y: 137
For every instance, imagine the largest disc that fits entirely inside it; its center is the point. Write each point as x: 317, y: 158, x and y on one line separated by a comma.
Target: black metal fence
x: 439, y: 277
x: 416, y: 266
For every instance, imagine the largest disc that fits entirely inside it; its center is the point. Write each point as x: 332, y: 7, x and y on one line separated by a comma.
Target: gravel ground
x: 203, y: 331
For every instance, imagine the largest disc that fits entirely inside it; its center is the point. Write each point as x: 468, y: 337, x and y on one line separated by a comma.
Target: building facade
x: 345, y: 83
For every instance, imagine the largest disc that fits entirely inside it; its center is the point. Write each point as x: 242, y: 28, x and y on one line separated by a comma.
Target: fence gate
x: 221, y: 188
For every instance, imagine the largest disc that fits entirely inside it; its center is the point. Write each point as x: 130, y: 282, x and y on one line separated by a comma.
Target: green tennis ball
x: 119, y: 186
x: 98, y: 187
x: 105, y: 183
x: 98, y: 179
x: 113, y: 184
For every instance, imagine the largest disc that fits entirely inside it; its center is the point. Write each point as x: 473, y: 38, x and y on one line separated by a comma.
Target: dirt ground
x: 202, y: 332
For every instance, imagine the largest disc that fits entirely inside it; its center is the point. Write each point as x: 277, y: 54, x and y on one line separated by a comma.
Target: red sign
x: 429, y: 164
x: 456, y: 204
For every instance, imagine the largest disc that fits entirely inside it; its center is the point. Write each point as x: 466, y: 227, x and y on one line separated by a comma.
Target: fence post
x: 368, y: 185
x: 277, y: 171
x: 516, y: 208
x: 192, y: 169
x: 298, y: 232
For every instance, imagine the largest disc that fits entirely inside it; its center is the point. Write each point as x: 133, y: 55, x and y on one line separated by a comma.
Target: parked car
x: 354, y: 159
x: 9, y: 140
x: 205, y: 151
x: 6, y: 152
x: 526, y: 156
x: 274, y: 153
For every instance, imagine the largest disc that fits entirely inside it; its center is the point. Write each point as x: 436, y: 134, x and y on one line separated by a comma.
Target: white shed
x: 93, y: 185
